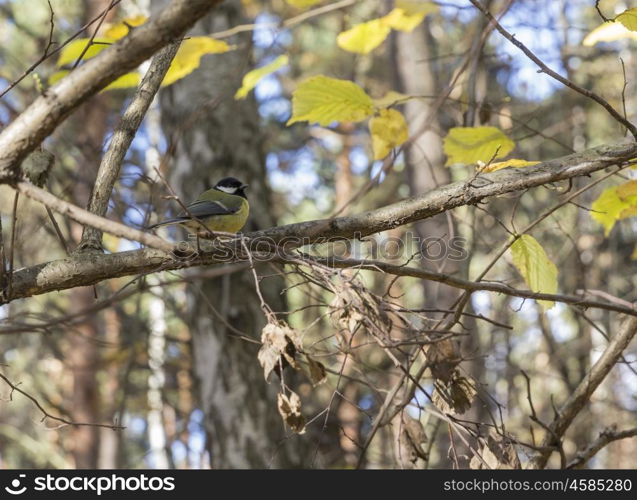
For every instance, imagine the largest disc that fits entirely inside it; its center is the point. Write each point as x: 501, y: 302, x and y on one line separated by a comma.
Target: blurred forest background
x: 172, y: 356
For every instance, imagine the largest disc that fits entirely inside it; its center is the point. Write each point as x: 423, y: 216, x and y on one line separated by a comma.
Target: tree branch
x: 81, y: 271
x: 471, y: 286
x: 584, y: 391
x: 606, y: 437
x: 88, y: 219
x: 35, y: 123
x: 120, y: 142
x: 455, y: 195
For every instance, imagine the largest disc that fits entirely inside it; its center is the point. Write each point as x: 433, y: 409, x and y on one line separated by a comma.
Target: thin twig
x: 90, y: 41
x: 48, y: 54
x: 46, y: 414
x: 556, y: 76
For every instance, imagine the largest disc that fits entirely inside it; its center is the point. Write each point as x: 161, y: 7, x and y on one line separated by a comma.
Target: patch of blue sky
x: 135, y: 425
x: 534, y: 25
x: 418, y: 401
x: 376, y: 170
x: 267, y: 32
x: 297, y: 182
x: 272, y: 104
x: 481, y: 302
x: 463, y: 12
x: 366, y: 402
x: 179, y: 451
x: 562, y: 329
x: 360, y: 160
x: 130, y: 174
x: 526, y: 310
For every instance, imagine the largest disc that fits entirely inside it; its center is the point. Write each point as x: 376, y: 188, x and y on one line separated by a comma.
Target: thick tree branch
x: 27, y: 131
x: 455, y: 195
x: 585, y: 389
x: 122, y: 138
x: 81, y: 271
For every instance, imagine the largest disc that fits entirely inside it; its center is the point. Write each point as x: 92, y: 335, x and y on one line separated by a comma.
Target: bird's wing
x: 204, y: 208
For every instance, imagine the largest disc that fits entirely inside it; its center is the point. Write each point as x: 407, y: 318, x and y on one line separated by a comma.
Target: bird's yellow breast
x: 231, y: 223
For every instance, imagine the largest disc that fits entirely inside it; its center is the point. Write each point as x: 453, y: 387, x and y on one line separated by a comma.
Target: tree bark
x: 213, y: 136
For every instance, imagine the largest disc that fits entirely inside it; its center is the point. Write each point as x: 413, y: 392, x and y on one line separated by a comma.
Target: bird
x: 224, y: 208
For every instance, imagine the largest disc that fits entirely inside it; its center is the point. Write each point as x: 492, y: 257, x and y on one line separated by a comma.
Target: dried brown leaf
x: 280, y: 344
x: 290, y: 411
x: 412, y: 437
x: 443, y: 358
x: 498, y: 452
x: 455, y: 397
x: 317, y: 374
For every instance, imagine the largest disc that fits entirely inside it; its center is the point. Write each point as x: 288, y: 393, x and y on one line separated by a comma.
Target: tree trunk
x: 212, y: 136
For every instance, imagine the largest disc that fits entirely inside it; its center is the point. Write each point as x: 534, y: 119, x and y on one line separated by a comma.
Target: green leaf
x: 508, y: 163
x: 323, y: 100
x: 628, y: 18
x: 473, y: 144
x: 364, y: 37
x: 389, y: 130
x: 72, y: 51
x: 615, y: 203
x: 253, y: 77
x: 535, y: 267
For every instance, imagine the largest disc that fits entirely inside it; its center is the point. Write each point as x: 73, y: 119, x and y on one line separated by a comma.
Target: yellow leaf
x: 508, y: 163
x: 634, y: 254
x: 539, y: 273
x: 189, y: 56
x: 615, y: 203
x: 627, y: 189
x: 407, y: 15
x: 253, y: 77
x: 390, y: 98
x: 125, y: 81
x: 415, y: 7
x: 389, y: 130
x: 628, y: 18
x: 473, y: 144
x: 72, y: 51
x: 608, y: 32
x: 323, y: 100
x: 303, y: 4
x: 120, y: 30
x: 364, y: 37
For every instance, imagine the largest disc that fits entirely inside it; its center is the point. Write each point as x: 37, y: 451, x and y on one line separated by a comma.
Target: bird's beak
x: 245, y: 186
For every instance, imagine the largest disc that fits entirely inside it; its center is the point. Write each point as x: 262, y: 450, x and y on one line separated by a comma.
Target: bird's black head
x: 231, y: 185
